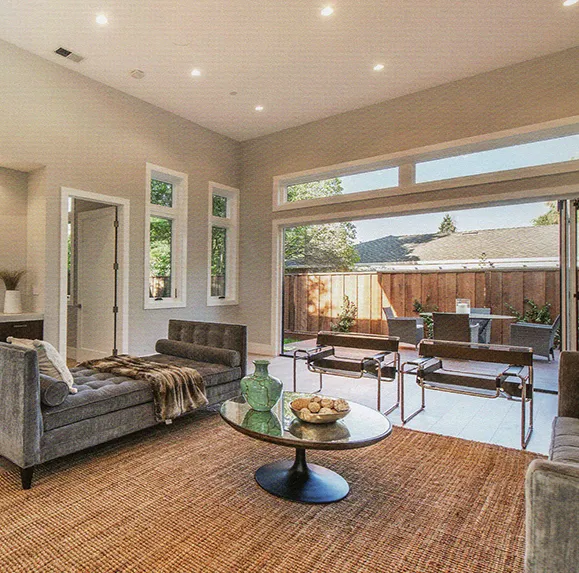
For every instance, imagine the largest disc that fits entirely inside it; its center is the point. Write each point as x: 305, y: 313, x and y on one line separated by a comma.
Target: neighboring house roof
x: 541, y: 242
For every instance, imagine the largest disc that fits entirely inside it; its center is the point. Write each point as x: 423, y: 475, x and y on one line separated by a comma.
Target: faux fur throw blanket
x: 176, y: 389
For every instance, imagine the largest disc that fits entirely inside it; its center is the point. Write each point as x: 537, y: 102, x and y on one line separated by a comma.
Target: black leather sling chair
x: 323, y: 359
x: 513, y: 378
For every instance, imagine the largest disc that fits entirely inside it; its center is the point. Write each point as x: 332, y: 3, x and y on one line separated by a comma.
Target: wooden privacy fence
x: 312, y: 302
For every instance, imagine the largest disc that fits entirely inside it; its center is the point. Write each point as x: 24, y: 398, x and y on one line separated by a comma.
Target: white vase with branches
x: 13, y: 298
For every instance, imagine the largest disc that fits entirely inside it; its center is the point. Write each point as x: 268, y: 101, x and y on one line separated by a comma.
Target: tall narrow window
x: 223, y: 245
x: 165, y: 238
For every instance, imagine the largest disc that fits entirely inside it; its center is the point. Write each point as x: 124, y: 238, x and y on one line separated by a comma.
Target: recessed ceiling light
x: 195, y: 72
x: 327, y: 11
x: 378, y: 67
x: 570, y: 2
x: 258, y: 108
x: 102, y: 20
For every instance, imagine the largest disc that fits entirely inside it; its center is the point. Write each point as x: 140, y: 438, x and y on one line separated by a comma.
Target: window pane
x: 160, y: 257
x: 161, y: 193
x: 515, y: 157
x: 218, y: 261
x: 344, y: 185
x: 219, y: 206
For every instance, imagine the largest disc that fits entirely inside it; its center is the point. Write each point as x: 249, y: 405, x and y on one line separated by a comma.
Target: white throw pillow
x: 50, y: 362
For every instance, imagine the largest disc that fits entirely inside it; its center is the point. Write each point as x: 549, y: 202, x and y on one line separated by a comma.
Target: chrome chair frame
x: 363, y: 371
x: 424, y: 365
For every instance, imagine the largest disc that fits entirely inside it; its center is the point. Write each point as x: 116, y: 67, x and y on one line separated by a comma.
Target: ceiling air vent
x: 137, y: 74
x: 69, y: 55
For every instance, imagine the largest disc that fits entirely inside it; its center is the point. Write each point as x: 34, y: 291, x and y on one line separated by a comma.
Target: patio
x: 494, y: 421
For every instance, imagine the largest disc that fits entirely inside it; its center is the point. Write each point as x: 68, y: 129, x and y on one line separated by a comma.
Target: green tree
x: 160, y: 241
x: 551, y: 217
x: 447, y: 225
x: 330, y: 246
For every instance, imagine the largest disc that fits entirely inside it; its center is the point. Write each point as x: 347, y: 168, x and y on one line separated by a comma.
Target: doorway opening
x: 94, y: 278
x: 502, y: 260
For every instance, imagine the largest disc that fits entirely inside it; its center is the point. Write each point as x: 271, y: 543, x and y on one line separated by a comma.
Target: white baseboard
x: 261, y: 349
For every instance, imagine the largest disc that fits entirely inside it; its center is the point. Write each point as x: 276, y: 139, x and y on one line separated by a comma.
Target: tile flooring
x: 495, y: 421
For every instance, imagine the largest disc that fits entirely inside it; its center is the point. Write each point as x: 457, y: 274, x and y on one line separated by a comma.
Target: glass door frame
x: 568, y: 254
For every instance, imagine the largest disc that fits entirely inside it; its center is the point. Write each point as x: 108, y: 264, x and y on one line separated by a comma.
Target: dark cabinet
x: 22, y: 329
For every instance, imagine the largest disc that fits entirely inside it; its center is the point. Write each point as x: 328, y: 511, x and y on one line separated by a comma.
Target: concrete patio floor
x: 494, y: 421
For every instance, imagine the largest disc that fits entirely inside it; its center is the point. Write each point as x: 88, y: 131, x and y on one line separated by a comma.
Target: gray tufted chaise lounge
x: 106, y: 406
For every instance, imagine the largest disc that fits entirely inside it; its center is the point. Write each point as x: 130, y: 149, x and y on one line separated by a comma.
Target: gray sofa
x: 552, y: 486
x: 106, y: 406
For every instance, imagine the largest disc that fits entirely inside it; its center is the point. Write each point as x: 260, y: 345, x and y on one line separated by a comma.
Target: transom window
x: 431, y: 168
x: 165, y: 238
x: 223, y: 242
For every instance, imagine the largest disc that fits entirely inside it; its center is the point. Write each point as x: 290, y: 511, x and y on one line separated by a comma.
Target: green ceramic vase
x: 260, y: 390
x: 262, y: 422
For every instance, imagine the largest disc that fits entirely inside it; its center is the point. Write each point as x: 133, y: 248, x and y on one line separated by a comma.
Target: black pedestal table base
x: 300, y: 481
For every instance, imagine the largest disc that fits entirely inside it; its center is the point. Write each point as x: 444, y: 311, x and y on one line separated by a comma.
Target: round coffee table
x: 296, y: 479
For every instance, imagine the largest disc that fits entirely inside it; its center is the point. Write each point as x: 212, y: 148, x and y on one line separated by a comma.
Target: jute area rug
x: 183, y: 498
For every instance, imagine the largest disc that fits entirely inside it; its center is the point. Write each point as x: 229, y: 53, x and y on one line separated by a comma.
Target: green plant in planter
x: 534, y: 313
x: 347, y: 316
x: 426, y: 307
x: 11, y: 278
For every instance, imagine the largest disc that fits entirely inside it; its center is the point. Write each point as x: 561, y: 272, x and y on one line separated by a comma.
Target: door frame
x: 123, y: 205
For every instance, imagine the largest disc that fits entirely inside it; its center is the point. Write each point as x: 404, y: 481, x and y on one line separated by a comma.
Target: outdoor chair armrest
x: 370, y: 361
x: 422, y: 365
x: 319, y: 353
x: 512, y: 370
x: 310, y: 353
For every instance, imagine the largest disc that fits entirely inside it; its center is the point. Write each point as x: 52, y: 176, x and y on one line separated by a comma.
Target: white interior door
x: 96, y: 282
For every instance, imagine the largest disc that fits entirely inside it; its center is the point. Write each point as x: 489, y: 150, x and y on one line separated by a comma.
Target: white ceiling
x: 283, y: 54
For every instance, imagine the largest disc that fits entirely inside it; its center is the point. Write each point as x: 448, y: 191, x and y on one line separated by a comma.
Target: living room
x: 238, y: 101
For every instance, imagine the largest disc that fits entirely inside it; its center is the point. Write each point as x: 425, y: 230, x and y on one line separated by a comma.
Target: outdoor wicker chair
x: 515, y: 381
x: 484, y: 324
x: 408, y: 329
x: 454, y: 327
x: 323, y: 359
x: 539, y: 337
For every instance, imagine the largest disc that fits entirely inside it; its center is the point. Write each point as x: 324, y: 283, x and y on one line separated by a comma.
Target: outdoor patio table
x: 482, y: 319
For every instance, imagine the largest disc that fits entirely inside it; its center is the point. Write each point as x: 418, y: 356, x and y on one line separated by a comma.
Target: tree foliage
x: 551, y: 217
x: 160, y: 241
x: 447, y: 225
x: 327, y: 247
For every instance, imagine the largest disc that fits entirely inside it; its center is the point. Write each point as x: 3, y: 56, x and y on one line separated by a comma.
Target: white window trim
x: 178, y: 214
x: 231, y: 223
x: 406, y: 161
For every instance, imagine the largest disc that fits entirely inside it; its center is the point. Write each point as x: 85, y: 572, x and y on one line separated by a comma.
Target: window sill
x: 212, y: 301
x: 165, y: 303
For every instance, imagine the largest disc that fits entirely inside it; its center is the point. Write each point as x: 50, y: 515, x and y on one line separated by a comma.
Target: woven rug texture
x: 182, y: 498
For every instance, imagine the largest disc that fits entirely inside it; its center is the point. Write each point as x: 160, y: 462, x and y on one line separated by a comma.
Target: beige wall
x: 93, y: 138
x: 533, y: 92
x: 13, y: 205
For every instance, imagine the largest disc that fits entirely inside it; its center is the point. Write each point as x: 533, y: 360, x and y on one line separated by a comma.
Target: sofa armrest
x: 552, y: 517
x: 569, y: 385
x: 20, y: 415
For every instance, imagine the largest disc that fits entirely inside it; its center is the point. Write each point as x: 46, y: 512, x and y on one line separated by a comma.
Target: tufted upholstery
x: 232, y: 336
x: 98, y: 393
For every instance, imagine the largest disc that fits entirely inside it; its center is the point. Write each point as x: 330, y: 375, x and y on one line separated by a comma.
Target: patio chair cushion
x: 565, y: 440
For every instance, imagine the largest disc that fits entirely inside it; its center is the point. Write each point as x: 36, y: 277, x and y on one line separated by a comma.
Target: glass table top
x: 363, y: 426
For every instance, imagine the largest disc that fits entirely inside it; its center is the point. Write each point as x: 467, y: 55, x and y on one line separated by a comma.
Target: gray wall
x: 537, y: 91
x: 13, y: 207
x: 93, y: 138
